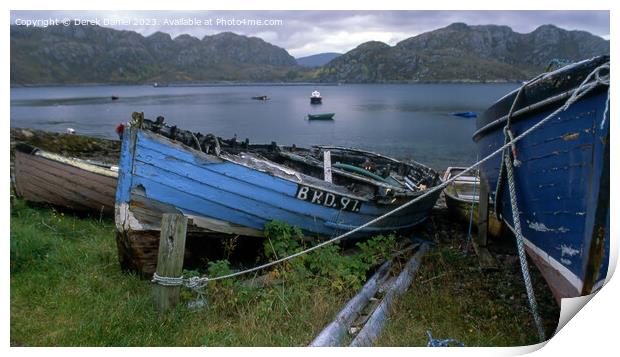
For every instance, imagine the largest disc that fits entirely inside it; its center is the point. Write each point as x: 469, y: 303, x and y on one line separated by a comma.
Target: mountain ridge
x: 455, y: 53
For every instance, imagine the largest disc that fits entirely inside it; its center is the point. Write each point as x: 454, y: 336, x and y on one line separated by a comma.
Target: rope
x: 199, y: 282
x: 167, y: 281
x: 442, y: 343
x: 520, y: 247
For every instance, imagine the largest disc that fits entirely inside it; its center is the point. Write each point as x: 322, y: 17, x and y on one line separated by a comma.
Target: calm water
x: 405, y: 121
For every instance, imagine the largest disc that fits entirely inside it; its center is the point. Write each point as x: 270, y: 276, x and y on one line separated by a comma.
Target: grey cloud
x: 308, y: 32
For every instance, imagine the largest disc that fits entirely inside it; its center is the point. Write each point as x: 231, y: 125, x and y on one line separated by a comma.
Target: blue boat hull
x: 158, y: 175
x: 562, y: 183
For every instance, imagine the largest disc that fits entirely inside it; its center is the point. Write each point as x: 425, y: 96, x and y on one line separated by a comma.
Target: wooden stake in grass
x: 170, y: 259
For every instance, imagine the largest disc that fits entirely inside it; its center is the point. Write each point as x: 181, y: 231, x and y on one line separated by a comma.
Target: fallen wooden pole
x: 371, y: 330
x: 170, y: 260
x: 333, y: 333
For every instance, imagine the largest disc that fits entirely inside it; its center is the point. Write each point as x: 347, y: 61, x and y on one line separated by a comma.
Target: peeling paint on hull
x: 562, y: 182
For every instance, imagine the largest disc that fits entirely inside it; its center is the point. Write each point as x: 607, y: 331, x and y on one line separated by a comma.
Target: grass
x: 67, y: 290
x: 454, y: 298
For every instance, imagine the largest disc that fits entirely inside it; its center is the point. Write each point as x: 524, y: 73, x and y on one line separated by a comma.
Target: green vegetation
x: 67, y: 290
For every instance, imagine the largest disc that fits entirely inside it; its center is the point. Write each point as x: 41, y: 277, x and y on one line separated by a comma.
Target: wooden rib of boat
x: 462, y: 197
x: 75, y: 184
x: 562, y: 180
x: 231, y: 188
x: 322, y: 116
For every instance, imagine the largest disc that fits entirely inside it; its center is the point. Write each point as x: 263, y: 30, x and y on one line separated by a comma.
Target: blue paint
x: 465, y: 114
x: 558, y: 181
x: 202, y: 185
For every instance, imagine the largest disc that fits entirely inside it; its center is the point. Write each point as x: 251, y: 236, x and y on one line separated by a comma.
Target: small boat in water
x: 465, y: 114
x: 315, y: 97
x: 159, y: 85
x: 233, y: 188
x: 78, y: 185
x: 322, y: 116
x: 561, y: 173
x: 114, y: 97
x: 262, y: 97
x: 462, y: 197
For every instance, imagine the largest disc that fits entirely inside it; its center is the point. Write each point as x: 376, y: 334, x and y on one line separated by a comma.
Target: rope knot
x: 166, y: 280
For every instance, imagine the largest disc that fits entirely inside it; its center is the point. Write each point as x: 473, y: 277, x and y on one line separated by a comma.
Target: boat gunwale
x: 521, y: 114
x: 238, y: 160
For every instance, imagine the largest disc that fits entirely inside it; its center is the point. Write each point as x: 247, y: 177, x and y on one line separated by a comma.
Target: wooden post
x: 170, y: 259
x: 480, y: 240
x: 483, y: 214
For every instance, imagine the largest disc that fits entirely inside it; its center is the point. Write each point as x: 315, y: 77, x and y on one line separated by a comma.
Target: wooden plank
x: 480, y: 240
x: 170, y: 259
x: 483, y: 215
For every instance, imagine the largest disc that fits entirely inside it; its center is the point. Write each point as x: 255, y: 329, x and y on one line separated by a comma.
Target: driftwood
x: 371, y: 330
x: 333, y: 334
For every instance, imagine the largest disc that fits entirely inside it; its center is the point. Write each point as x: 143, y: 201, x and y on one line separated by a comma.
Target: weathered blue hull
x: 237, y: 195
x: 562, y: 181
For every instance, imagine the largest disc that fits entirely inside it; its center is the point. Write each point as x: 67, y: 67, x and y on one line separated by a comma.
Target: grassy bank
x: 67, y: 290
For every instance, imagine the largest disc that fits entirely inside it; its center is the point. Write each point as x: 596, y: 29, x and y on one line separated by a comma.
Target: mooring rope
x: 197, y: 283
x: 525, y: 271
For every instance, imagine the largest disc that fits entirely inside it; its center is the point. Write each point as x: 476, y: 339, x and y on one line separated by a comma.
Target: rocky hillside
x: 463, y: 53
x: 317, y: 60
x: 82, y: 54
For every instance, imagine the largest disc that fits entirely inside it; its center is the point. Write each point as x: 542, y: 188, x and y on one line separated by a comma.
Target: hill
x: 460, y: 52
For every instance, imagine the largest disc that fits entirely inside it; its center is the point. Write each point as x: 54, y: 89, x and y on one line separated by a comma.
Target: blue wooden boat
x: 562, y: 180
x: 465, y: 114
x: 230, y: 188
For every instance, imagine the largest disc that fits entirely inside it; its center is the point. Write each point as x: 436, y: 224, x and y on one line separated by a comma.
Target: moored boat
x: 78, y: 185
x: 465, y: 114
x: 321, y: 116
x: 230, y: 188
x: 261, y: 97
x: 561, y: 172
x: 462, y: 196
x: 315, y: 97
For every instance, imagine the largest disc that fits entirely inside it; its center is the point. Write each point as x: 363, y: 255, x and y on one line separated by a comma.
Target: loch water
x: 406, y: 121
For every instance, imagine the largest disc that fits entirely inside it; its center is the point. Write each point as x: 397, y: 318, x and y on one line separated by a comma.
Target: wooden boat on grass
x: 322, y: 116
x: 75, y: 184
x: 231, y: 188
x: 562, y: 179
x: 462, y: 196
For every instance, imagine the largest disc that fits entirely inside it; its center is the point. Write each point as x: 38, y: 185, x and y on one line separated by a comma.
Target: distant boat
x: 462, y: 196
x: 159, y: 85
x: 261, y: 97
x: 228, y: 188
x: 315, y: 97
x: 114, y: 97
x: 79, y: 185
x: 465, y: 114
x: 562, y: 178
x: 323, y: 116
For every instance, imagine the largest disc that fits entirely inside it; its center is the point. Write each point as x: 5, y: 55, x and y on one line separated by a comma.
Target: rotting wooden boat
x: 322, y: 116
x: 462, y: 197
x: 562, y: 180
x: 234, y: 188
x: 79, y: 185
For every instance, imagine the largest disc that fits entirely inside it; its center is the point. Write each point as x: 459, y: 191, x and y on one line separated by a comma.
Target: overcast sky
x: 304, y: 33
